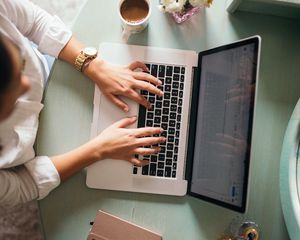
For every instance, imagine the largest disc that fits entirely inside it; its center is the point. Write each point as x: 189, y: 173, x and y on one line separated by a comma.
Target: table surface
x: 66, y: 119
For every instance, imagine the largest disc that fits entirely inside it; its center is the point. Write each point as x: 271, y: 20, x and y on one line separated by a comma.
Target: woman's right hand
x: 119, y: 142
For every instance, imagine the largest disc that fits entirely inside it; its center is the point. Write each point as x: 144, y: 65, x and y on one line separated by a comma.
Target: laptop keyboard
x: 165, y: 113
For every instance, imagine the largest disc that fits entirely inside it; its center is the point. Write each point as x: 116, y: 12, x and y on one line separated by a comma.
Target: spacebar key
x: 142, y: 116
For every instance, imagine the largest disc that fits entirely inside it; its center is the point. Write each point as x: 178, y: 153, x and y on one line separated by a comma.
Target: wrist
x: 85, y: 56
x: 94, y: 68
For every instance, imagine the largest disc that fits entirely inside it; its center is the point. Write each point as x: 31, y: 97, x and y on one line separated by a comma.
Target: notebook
x: 109, y: 227
x: 206, y: 112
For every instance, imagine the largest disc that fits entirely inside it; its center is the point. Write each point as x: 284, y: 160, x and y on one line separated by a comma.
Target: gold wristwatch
x: 85, y: 56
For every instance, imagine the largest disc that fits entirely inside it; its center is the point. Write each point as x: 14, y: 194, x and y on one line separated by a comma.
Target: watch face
x: 90, y: 51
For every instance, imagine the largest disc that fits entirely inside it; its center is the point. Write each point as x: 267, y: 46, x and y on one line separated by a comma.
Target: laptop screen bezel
x: 193, y: 120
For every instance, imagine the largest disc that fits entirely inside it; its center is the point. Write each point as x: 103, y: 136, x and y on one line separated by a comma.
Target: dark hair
x: 6, y: 69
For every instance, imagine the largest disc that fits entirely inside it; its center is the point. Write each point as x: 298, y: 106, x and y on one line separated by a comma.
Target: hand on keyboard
x: 115, y: 81
x: 119, y: 142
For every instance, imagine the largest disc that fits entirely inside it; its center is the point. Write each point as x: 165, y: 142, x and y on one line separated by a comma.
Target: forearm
x: 71, y: 51
x: 71, y: 162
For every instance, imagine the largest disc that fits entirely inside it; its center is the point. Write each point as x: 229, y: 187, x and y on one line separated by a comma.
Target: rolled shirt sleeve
x: 48, y: 32
x: 44, y: 174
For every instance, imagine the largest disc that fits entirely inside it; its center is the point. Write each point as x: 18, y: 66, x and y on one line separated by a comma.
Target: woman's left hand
x: 115, y: 81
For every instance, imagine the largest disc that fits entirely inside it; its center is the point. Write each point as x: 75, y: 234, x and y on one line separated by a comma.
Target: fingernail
x: 125, y: 109
x: 161, y: 130
x: 159, y: 82
x: 161, y: 93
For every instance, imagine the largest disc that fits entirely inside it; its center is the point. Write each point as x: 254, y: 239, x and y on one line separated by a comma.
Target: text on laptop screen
x: 224, y: 124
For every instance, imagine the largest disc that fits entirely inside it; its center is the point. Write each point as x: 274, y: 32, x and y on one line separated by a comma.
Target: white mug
x: 133, y: 27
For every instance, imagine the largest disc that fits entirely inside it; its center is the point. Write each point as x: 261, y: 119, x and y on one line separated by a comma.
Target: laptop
x: 206, y: 112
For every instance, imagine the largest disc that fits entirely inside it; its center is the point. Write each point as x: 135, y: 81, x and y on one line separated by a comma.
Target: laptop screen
x: 221, y: 123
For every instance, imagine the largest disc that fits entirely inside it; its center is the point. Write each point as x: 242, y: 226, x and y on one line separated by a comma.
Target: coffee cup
x: 134, y: 15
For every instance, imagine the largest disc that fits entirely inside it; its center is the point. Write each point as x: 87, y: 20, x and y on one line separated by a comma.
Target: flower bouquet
x: 183, y: 9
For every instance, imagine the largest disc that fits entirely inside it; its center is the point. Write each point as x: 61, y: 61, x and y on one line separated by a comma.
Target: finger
x: 148, y: 141
x: 147, y: 151
x: 148, y: 87
x: 146, y: 77
x: 118, y: 102
x: 147, y: 131
x: 138, y: 162
x: 138, y: 98
x: 138, y: 64
x: 125, y: 122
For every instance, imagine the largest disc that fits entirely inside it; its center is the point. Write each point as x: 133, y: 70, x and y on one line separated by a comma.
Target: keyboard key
x: 167, y: 171
x: 157, y: 120
x: 182, y: 78
x: 182, y: 70
x: 171, y: 131
x: 175, y: 85
x: 157, y: 112
x: 168, y: 162
x: 161, y: 157
x: 135, y: 170
x: 158, y: 104
x: 169, y: 154
x: 175, y: 150
x: 173, y: 108
x: 181, y: 86
x: 175, y: 77
x: 167, y: 88
x: 174, y: 100
x: 172, y: 115
x: 153, y: 158
x: 168, y: 80
x: 165, y: 118
x: 166, y: 103
x: 160, y: 173
x: 167, y: 95
x: 145, y: 170
x: 161, y: 165
x: 174, y: 93
x: 172, y: 123
x: 152, y: 169
x: 161, y: 71
x: 166, y: 111
x: 174, y: 166
x: 151, y: 99
x: 164, y: 126
x: 176, y: 69
x: 170, y: 146
x: 169, y: 71
x: 149, y: 123
x: 150, y: 115
x: 154, y: 70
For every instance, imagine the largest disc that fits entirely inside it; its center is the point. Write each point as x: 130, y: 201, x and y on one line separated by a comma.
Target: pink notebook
x: 109, y: 227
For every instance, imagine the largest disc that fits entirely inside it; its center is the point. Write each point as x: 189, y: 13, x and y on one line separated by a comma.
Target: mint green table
x: 66, y: 118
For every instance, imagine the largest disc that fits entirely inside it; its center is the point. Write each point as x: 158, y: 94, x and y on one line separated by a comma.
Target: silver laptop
x: 206, y: 112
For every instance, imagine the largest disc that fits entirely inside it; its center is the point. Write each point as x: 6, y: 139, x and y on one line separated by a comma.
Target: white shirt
x: 23, y: 176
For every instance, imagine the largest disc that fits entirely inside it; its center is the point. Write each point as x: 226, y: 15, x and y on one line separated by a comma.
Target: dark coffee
x: 134, y: 10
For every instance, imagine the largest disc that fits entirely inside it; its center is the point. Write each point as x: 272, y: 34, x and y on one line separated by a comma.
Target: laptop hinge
x: 188, y: 164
